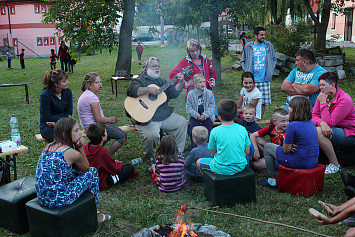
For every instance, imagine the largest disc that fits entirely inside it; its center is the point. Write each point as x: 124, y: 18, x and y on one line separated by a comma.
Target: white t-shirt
x: 249, y: 97
x: 85, y: 113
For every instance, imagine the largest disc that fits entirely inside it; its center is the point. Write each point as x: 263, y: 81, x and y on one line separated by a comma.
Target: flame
x: 181, y: 229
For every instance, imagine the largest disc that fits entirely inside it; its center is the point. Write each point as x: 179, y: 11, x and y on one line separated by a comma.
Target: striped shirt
x: 170, y: 178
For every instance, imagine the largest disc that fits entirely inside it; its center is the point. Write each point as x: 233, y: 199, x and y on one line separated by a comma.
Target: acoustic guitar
x: 142, y: 108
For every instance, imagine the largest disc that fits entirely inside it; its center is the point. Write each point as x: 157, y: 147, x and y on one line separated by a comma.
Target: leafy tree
x: 86, y: 24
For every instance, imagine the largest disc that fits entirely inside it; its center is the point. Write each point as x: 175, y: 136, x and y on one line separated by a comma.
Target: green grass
x: 138, y: 204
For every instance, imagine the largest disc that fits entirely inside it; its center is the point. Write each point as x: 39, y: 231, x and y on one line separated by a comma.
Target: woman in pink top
x: 334, y: 116
x: 90, y: 111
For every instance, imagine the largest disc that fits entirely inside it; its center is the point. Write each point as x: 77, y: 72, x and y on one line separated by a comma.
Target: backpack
x: 3, y: 173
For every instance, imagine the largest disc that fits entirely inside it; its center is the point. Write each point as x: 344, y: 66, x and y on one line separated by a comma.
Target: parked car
x: 165, y: 36
x: 143, y: 37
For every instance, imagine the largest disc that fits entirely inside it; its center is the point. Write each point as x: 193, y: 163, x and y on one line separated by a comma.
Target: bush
x: 290, y: 39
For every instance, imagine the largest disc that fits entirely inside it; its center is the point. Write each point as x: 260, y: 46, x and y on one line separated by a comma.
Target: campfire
x: 180, y: 229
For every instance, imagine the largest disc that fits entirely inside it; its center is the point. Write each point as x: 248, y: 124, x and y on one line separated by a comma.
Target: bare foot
x: 103, y: 217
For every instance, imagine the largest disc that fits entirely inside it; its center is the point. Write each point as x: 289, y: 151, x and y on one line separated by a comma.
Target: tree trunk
x: 124, y: 59
x: 161, y: 29
x: 215, y: 46
x: 323, y: 25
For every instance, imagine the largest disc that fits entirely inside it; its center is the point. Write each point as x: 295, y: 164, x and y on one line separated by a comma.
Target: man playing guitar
x: 163, y: 118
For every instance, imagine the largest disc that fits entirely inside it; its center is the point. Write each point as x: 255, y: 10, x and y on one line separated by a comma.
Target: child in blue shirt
x: 200, y: 137
x: 229, y: 143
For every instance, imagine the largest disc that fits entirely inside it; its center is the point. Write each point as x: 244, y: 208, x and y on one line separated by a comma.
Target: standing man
x: 63, y: 55
x: 260, y: 59
x: 139, y: 50
x: 163, y: 118
x: 303, y: 79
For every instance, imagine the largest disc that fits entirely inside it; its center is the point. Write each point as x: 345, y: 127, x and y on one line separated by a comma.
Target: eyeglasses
x: 325, y: 84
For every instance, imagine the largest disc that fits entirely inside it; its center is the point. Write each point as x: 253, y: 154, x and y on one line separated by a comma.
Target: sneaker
x: 265, y: 183
x: 350, y: 221
x: 332, y: 169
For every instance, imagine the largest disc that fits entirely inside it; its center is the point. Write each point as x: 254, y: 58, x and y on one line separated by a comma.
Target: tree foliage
x: 86, y: 24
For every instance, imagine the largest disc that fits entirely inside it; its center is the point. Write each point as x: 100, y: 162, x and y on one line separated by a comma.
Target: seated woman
x: 334, y: 116
x: 89, y: 110
x: 63, y: 173
x: 55, y: 102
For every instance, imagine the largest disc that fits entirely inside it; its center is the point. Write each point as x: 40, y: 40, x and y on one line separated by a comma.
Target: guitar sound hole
x: 152, y: 97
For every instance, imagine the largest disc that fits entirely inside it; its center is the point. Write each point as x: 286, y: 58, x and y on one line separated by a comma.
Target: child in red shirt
x: 110, y: 171
x: 276, y: 131
x: 53, y: 59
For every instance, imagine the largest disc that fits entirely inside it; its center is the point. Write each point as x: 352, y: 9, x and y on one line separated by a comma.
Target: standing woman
x: 56, y: 102
x: 334, y: 116
x: 202, y: 65
x: 58, y: 183
x: 89, y: 110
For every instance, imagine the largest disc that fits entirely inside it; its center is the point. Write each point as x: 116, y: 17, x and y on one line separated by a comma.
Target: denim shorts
x: 338, y: 138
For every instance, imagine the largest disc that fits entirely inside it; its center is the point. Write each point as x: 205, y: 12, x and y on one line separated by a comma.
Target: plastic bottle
x: 137, y: 161
x: 15, y: 132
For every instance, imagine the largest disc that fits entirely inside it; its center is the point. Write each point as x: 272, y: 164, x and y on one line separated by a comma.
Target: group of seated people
x: 63, y: 172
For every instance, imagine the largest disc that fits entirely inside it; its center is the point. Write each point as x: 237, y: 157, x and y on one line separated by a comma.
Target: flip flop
x: 105, y: 217
x: 316, y: 213
x: 326, y: 207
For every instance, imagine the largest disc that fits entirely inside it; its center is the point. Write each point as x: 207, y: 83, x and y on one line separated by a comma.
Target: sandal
x: 103, y: 217
x: 326, y: 207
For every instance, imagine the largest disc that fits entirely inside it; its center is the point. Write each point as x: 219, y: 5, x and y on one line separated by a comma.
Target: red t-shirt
x: 275, y: 137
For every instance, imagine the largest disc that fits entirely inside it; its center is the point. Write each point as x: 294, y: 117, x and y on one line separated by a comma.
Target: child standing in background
x: 139, y: 50
x: 276, y: 131
x: 200, y: 105
x: 229, y: 143
x: 249, y: 94
x: 200, y: 138
x: 300, y: 149
x: 22, y: 58
x: 8, y: 55
x: 53, y: 59
x: 168, y: 166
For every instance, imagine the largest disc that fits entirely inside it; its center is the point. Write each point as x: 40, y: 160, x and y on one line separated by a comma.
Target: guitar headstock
x: 187, y: 70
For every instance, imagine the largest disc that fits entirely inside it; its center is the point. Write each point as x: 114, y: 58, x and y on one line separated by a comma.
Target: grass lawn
x: 138, y: 204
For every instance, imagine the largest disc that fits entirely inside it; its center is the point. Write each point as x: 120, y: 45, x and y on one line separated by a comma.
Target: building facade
x: 342, y: 24
x: 21, y: 27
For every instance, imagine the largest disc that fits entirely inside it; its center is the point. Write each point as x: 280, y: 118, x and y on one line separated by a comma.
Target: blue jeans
x: 339, y: 139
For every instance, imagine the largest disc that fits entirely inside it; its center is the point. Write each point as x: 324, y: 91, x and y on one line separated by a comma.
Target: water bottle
x: 137, y: 161
x: 15, y: 132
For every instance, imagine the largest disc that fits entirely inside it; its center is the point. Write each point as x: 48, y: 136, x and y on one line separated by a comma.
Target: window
x: 36, y: 9
x: 39, y: 41
x: 12, y: 10
x: 43, y: 9
x: 14, y: 42
x: 5, y: 42
x: 52, y: 41
x: 333, y: 21
x: 45, y: 40
x: 3, y: 11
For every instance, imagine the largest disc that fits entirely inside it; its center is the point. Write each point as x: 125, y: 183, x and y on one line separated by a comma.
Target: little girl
x: 249, y: 94
x: 300, y: 148
x: 200, y: 106
x: 53, y: 59
x: 168, y: 166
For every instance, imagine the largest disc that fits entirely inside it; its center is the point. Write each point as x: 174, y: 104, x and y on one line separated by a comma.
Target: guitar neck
x: 166, y: 86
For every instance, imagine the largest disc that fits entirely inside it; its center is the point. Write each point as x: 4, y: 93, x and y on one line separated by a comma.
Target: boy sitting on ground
x: 229, y: 143
x: 249, y: 112
x: 110, y: 171
x: 276, y: 131
x: 200, y: 138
